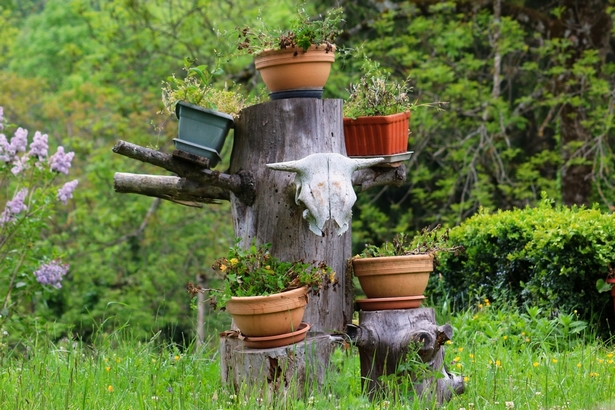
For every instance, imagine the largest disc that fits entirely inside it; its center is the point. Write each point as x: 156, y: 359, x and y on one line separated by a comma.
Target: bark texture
x: 280, y: 374
x: 388, y: 338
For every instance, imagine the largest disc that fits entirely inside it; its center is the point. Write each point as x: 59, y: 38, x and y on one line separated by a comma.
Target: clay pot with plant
x: 395, y: 274
x: 294, y: 62
x: 377, y: 113
x: 266, y: 296
x: 206, y: 114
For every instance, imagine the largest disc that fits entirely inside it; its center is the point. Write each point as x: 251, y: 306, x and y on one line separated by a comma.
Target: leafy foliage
x: 549, y: 257
x: 254, y: 272
x: 303, y: 32
x: 428, y: 241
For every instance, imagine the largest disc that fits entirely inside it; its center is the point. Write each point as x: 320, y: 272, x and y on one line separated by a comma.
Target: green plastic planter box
x: 201, y: 131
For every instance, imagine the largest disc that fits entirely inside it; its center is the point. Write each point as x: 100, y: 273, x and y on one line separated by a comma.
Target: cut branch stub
x: 203, y: 185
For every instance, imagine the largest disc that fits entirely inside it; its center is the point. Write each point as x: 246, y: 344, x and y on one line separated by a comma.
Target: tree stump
x: 286, y: 130
x: 279, y: 373
x: 405, y: 343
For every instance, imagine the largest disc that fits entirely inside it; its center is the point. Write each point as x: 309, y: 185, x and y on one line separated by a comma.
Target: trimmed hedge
x: 546, y: 256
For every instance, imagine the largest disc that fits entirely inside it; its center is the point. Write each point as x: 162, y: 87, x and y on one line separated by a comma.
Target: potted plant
x: 395, y: 274
x: 294, y: 62
x: 266, y: 296
x: 377, y: 114
x: 205, y: 113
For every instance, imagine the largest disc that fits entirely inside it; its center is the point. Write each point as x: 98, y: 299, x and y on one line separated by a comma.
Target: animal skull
x: 324, y: 186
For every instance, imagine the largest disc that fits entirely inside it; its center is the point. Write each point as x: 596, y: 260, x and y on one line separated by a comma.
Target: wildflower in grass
x: 600, y: 361
x: 610, y: 355
x: 593, y: 374
x: 460, y: 349
x: 554, y: 360
x: 505, y: 337
x: 527, y: 340
x: 108, y: 368
x: 466, y: 379
x: 117, y: 360
x: 578, y: 364
x: 449, y: 342
x: 480, y: 305
x: 110, y: 389
x: 498, y: 363
x: 509, y: 404
x: 475, y: 317
x: 536, y: 364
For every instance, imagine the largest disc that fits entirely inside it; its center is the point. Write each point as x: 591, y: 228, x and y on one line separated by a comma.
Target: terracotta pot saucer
x: 285, y: 339
x: 404, y: 302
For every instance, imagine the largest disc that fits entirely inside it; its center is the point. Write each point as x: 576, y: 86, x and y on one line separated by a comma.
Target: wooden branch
x: 176, y: 189
x: 240, y: 183
x: 376, y: 176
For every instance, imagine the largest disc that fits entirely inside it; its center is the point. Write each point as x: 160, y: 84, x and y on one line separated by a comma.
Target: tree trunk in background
x: 587, y: 26
x: 286, y: 130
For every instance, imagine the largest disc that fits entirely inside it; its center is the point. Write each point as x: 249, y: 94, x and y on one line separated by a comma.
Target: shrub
x: 546, y: 256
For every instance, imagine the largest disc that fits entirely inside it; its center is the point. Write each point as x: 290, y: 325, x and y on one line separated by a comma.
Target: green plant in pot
x: 294, y: 61
x: 400, y: 269
x: 265, y: 295
x: 377, y: 113
x: 205, y: 112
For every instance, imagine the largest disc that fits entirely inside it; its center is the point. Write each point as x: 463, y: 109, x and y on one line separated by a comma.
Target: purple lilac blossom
x: 14, y: 206
x: 19, y: 142
x: 4, y: 149
x: 39, y: 146
x: 51, y: 273
x: 19, y: 164
x: 61, y: 161
x: 66, y: 192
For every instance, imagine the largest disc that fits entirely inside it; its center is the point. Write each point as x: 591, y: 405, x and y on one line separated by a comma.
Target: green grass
x: 527, y: 358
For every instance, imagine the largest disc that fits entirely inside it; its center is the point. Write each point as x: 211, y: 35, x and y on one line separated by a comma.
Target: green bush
x: 546, y: 256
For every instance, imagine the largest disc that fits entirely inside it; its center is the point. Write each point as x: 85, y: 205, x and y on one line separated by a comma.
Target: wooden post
x: 385, y: 338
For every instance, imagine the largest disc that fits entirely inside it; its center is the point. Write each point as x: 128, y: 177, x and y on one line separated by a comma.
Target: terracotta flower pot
x: 379, y: 135
x: 393, y: 276
x: 295, y: 69
x: 276, y: 314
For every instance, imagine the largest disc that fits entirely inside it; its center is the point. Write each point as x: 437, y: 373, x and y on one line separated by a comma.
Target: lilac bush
x: 32, y: 186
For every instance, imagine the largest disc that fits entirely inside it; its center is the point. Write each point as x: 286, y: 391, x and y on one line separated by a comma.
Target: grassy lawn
x: 509, y: 358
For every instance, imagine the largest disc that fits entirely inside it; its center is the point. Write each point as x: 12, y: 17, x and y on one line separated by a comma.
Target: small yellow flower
x: 600, y: 361
x: 505, y: 337
x: 527, y: 340
x: 459, y: 365
x: 554, y: 360
x: 610, y: 355
x: 497, y: 363
x: 110, y: 389
x: 475, y: 317
x: 466, y: 378
x: 480, y: 305
x: 487, y: 301
x: 460, y: 349
x: 593, y: 374
x: 522, y: 333
x: 448, y: 342
x: 610, y: 361
x: 117, y: 360
x: 234, y: 261
x: 222, y: 267
x: 471, y: 356
x: 108, y: 368
x: 578, y: 364
x: 536, y: 364
x: 456, y: 359
x: 176, y: 358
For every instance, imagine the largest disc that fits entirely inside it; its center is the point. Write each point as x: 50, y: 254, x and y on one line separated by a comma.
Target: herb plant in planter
x: 294, y: 62
x: 205, y: 113
x: 266, y: 296
x: 377, y: 114
x: 395, y: 275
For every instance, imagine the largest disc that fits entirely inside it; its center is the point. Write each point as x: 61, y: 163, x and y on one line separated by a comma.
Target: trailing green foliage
x: 548, y: 256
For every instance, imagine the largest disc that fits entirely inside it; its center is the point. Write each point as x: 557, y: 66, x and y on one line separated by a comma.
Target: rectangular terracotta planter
x: 379, y: 135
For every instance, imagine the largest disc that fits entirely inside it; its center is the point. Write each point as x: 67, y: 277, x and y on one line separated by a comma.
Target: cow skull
x: 324, y: 186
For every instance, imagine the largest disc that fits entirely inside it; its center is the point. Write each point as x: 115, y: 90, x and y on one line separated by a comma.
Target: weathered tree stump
x: 278, y: 373
x: 388, y: 338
